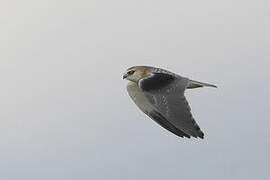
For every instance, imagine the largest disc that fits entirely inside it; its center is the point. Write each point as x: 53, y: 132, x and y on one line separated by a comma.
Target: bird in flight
x: 160, y: 95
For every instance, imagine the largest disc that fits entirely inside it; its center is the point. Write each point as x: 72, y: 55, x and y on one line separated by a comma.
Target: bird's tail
x: 196, y: 84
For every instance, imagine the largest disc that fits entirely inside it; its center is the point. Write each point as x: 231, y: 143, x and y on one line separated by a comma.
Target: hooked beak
x: 125, y: 76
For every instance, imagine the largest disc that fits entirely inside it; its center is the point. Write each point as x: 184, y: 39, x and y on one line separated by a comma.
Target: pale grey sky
x: 65, y: 113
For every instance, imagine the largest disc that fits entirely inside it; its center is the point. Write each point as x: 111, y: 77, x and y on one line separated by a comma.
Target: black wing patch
x: 156, y: 81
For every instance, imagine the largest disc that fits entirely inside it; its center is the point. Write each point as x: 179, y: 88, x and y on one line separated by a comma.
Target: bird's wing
x: 170, y: 101
x: 142, y: 102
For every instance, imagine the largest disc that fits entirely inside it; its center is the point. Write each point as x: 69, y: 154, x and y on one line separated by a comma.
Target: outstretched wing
x: 170, y: 101
x: 142, y: 102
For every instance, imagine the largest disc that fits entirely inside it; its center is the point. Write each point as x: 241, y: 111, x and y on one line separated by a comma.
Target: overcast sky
x: 65, y: 113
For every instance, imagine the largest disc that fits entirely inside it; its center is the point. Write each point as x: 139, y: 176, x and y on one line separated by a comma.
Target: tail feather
x: 196, y: 84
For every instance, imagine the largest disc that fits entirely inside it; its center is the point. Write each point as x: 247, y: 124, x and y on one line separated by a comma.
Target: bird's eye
x: 131, y: 72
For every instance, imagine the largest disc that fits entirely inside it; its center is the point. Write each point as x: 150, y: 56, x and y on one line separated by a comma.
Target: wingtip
x: 202, y: 137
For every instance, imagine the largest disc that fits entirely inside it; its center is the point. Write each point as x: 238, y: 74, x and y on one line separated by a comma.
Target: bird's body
x: 160, y: 94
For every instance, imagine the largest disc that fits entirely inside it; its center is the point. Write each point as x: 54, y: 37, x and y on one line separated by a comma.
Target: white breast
x: 138, y: 97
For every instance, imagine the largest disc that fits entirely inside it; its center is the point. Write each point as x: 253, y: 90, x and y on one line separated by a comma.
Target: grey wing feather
x: 173, y: 105
x: 143, y: 103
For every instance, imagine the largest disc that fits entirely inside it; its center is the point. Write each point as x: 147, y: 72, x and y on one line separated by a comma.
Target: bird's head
x: 137, y: 73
